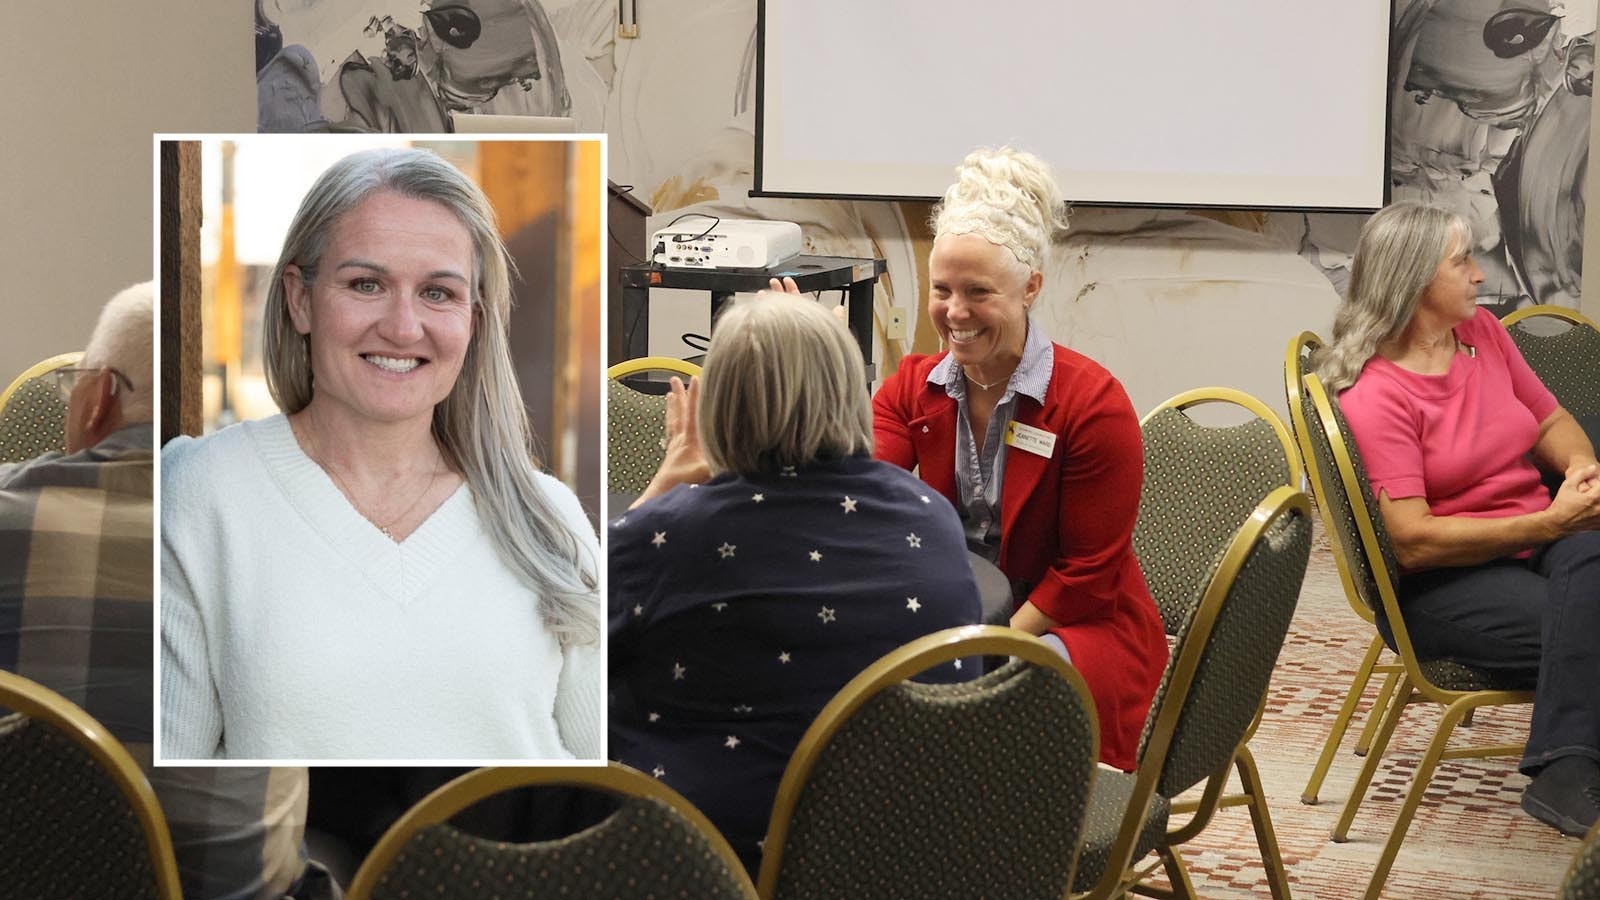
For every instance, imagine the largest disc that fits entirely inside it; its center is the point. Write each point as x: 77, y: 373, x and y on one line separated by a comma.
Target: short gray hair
x: 122, y: 340
x: 1396, y: 257
x: 783, y: 385
x: 1007, y: 197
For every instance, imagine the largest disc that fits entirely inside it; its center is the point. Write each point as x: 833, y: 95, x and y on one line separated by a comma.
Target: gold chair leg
x: 1341, y: 722
x: 1266, y: 837
x: 1389, y: 719
x: 1419, y: 784
x: 1364, y: 743
x: 1177, y: 873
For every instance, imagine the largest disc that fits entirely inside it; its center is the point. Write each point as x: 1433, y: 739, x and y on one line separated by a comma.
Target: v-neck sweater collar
x: 402, y: 570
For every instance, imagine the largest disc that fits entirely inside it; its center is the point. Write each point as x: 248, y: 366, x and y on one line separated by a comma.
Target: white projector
x: 699, y: 241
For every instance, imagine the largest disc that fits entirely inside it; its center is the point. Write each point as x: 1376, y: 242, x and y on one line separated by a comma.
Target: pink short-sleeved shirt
x: 1459, y: 440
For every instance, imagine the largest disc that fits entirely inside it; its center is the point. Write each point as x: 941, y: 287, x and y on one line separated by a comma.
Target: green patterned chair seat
x: 643, y: 849
x: 66, y: 829
x: 635, y: 427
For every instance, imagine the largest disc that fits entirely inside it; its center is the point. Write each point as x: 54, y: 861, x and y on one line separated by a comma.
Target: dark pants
x: 1535, y: 623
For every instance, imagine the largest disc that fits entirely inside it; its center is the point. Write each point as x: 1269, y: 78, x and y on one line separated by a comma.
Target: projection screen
x: 1258, y: 104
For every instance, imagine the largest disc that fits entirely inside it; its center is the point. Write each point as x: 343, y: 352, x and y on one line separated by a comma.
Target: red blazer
x: 1066, y: 523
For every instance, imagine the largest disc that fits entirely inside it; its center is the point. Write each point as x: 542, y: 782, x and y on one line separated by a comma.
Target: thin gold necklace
x: 387, y: 530
x: 976, y: 383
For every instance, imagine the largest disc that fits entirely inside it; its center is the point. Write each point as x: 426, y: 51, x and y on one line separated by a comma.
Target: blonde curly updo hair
x: 1009, y: 198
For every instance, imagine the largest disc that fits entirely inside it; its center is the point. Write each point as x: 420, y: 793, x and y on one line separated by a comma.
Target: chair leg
x: 1389, y: 719
x: 1364, y: 743
x: 1419, y: 784
x: 1177, y: 873
x: 1266, y: 837
x: 1341, y: 722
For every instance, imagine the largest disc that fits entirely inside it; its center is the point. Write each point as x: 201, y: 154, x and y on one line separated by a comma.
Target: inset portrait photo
x: 379, y: 473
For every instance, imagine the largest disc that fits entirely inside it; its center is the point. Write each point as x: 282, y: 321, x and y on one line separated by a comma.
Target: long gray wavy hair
x: 1397, y: 254
x: 481, y: 427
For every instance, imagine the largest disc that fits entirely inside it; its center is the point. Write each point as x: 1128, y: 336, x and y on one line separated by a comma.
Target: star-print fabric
x: 739, y: 607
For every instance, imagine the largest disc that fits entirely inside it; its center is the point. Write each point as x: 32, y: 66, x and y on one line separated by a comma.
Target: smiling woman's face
x: 390, y: 313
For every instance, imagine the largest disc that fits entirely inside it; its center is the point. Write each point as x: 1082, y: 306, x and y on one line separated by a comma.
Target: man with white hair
x: 76, y: 587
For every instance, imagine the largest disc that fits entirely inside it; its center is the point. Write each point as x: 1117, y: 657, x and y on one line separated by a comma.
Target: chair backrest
x: 635, y: 424
x: 1563, y: 347
x: 655, y: 838
x: 33, y: 417
x: 1225, y: 660
x: 1296, y: 366
x: 1358, y: 530
x: 1223, y: 664
x: 901, y: 789
x: 1583, y: 878
x: 77, y: 817
x: 1200, y: 482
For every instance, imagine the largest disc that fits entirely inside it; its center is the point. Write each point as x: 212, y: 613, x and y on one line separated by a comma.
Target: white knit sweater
x: 291, y: 628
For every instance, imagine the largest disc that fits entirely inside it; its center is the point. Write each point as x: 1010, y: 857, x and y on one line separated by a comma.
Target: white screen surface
x: 1257, y: 103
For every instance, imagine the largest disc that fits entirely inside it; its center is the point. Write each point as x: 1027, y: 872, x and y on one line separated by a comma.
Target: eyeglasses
x: 67, y: 379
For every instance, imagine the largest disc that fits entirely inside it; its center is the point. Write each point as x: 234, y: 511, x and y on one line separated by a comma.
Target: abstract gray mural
x: 1490, y: 117
x: 378, y: 65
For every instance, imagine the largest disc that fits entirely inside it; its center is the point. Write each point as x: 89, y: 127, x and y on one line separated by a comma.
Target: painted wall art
x: 382, y: 65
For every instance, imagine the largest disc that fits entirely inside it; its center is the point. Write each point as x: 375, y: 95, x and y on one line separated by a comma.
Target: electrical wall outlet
x: 895, y: 329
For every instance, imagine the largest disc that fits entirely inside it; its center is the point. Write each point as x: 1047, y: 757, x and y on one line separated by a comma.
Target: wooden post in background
x: 180, y: 289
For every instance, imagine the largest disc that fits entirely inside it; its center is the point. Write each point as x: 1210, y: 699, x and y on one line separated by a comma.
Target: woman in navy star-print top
x: 769, y: 561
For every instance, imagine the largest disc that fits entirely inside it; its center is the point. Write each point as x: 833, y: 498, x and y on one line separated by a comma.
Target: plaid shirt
x: 76, y: 579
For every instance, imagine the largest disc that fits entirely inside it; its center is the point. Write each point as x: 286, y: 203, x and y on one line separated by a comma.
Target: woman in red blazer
x: 1036, y: 446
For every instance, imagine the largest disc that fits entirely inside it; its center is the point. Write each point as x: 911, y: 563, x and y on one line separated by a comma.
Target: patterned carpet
x: 1469, y: 839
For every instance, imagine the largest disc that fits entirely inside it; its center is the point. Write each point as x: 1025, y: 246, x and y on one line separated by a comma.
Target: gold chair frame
x: 1300, y: 346
x: 1544, y: 309
x: 39, y: 702
x: 1414, y: 686
x: 892, y: 669
x: 1121, y: 877
x: 1201, y: 396
x: 460, y: 793
x: 42, y: 367
x: 649, y: 363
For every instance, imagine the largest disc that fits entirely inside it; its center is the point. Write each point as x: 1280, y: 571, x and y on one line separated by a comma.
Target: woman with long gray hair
x: 1453, y: 427
x: 382, y: 571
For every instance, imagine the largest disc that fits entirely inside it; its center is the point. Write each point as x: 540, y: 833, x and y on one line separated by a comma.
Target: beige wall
x: 79, y: 109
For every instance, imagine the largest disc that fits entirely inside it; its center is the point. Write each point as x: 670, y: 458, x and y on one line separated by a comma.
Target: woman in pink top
x: 1453, y: 427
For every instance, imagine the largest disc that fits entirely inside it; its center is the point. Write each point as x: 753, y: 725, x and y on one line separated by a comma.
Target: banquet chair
x: 1563, y: 348
x: 1296, y: 366
x: 77, y: 817
x: 1201, y: 482
x: 636, y: 423
x: 655, y: 843
x: 1208, y: 703
x: 1347, y: 497
x: 1583, y: 877
x: 33, y: 417
x: 907, y: 790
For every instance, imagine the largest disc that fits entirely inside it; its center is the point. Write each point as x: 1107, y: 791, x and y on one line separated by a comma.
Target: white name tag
x: 1034, y: 440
